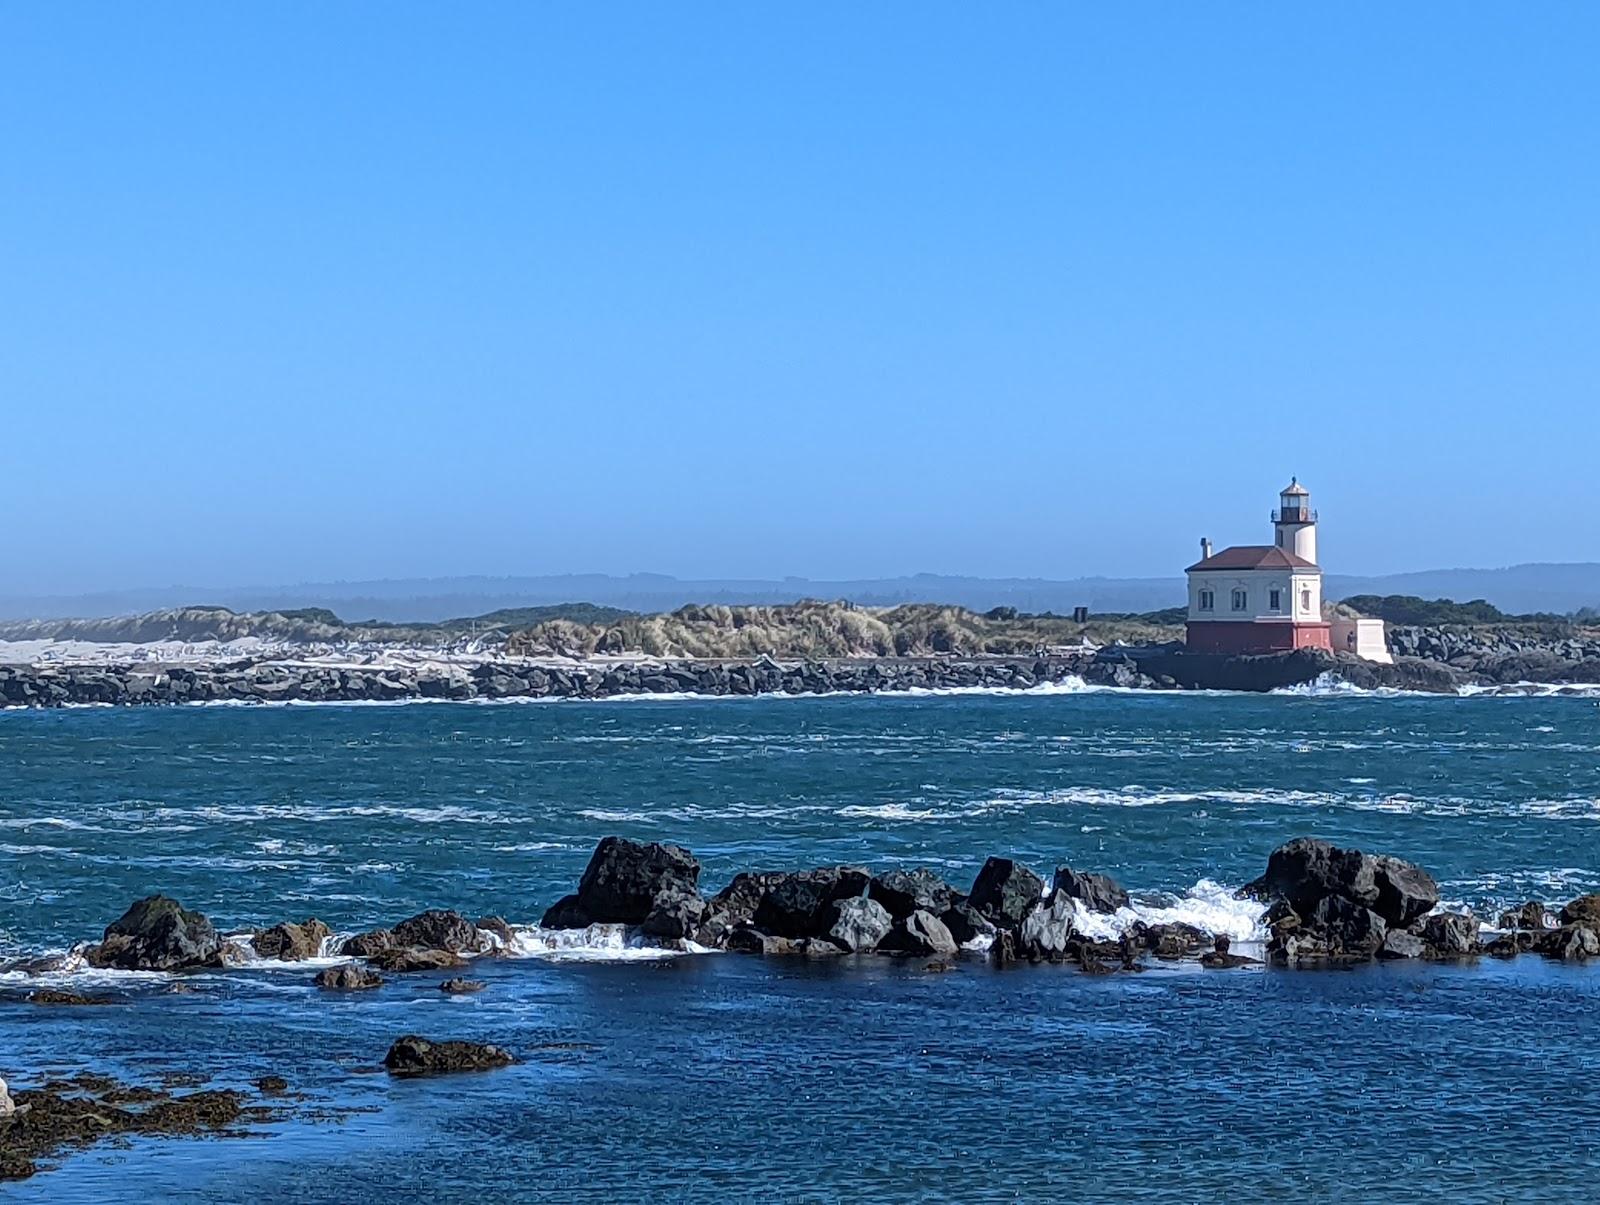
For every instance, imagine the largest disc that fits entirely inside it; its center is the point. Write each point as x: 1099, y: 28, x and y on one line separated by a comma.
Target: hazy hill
x: 1522, y: 588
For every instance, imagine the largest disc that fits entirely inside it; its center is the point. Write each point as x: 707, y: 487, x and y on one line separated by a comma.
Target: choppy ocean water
x: 716, y: 1076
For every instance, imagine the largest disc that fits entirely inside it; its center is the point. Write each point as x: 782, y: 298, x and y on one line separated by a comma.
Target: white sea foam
x: 597, y: 943
x: 1208, y: 905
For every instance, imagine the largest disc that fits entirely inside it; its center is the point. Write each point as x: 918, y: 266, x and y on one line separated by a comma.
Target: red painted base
x: 1225, y: 636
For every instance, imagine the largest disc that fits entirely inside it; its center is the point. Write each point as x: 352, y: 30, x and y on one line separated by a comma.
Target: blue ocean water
x: 718, y: 1076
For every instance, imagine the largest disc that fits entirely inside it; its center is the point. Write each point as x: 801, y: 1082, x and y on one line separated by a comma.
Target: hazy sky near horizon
x: 301, y: 292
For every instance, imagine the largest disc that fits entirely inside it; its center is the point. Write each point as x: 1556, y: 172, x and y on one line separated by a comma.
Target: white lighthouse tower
x: 1295, y: 523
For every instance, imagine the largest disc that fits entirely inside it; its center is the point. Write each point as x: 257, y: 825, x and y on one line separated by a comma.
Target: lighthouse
x: 1262, y: 598
x: 1295, y: 523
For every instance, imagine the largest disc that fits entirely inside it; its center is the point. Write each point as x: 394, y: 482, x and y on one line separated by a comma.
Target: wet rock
x: 1221, y: 957
x: 1451, y: 935
x: 462, y: 987
x: 47, y: 995
x: 966, y: 923
x: 1005, y: 892
x: 365, y: 945
x: 497, y: 926
x: 565, y: 913
x: 1585, y: 910
x: 1530, y: 916
x: 1168, y: 942
x: 1047, y: 931
x: 675, y: 914
x: 624, y: 879
x: 438, y: 929
x: 347, y: 978
x: 272, y: 1085
x: 902, y: 892
x: 1003, y: 950
x: 734, y: 905
x: 817, y: 947
x: 157, y: 934
x: 1406, y: 892
x: 920, y: 933
x: 858, y: 924
x: 1401, y: 943
x: 292, y: 942
x: 401, y: 959
x: 415, y: 1055
x: 747, y: 939
x: 1509, y: 945
x: 1096, y: 892
x: 1570, y: 943
x: 796, y: 905
x: 7, y: 1105
x: 1347, y: 927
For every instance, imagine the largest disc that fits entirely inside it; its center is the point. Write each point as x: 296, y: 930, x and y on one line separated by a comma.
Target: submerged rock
x: 347, y: 978
x: 415, y: 1055
x: 462, y: 987
x: 157, y: 934
x: 401, y: 959
x: 1221, y: 957
x: 48, y: 995
x: 1096, y: 892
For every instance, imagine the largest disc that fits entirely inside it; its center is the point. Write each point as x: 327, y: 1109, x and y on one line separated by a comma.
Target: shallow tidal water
x: 719, y: 1076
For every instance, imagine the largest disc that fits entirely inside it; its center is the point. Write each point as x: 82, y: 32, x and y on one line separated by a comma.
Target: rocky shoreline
x: 1155, y: 667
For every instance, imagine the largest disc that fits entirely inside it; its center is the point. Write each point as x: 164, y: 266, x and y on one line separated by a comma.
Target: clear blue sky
x: 295, y: 292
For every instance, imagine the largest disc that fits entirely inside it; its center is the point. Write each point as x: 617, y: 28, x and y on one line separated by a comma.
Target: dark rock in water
x: 412, y: 958
x: 1451, y: 934
x: 858, y: 924
x: 1406, y: 892
x: 413, y: 1055
x: 797, y: 904
x: 749, y: 940
x: 624, y: 878
x: 46, y: 995
x: 462, y: 987
x: 1005, y: 892
x: 1401, y: 943
x: 734, y: 905
x: 1221, y: 957
x: 817, y: 947
x: 365, y: 945
x: 1096, y: 892
x: 1570, y: 943
x: 272, y: 1085
x: 920, y: 933
x: 347, y: 978
x: 1530, y: 916
x: 291, y: 942
x: 1509, y: 945
x: 1168, y: 942
x: 157, y: 934
x: 1585, y: 910
x: 43, y: 964
x: 1003, y: 950
x: 966, y: 923
x: 675, y: 914
x: 498, y: 926
x: 1047, y: 930
x: 1306, y: 871
x: 438, y: 929
x: 1347, y: 927
x: 903, y: 892
x: 565, y: 913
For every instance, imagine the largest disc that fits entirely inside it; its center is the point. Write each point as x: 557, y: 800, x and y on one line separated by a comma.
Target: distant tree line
x: 1434, y: 612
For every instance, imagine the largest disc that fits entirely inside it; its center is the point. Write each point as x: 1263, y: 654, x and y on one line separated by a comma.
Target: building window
x: 1275, y: 600
x: 1241, y: 600
x: 1280, y: 537
x: 1208, y: 600
x: 1305, y: 600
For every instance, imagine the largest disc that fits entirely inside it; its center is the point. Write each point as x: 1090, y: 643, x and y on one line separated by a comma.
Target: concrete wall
x: 1363, y: 637
x: 1300, y: 595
